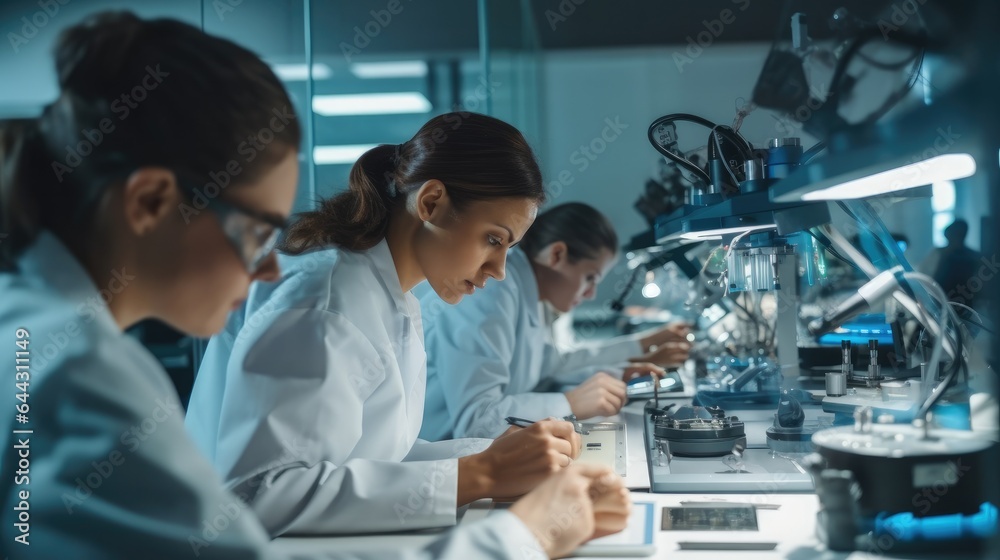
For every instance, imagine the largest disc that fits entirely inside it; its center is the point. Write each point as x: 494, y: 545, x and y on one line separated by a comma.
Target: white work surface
x: 792, y: 525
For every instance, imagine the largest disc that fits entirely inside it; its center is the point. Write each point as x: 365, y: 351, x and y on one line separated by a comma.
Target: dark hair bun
x: 92, y: 55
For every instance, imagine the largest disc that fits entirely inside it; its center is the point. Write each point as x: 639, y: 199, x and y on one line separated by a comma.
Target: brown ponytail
x: 476, y: 157
x: 355, y: 219
x: 20, y: 150
x: 583, y: 229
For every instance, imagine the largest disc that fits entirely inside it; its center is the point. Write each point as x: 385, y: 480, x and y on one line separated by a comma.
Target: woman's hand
x: 517, y: 461
x: 668, y: 354
x: 640, y: 369
x: 672, y: 333
x: 579, y: 503
x: 612, y: 506
x: 601, y: 395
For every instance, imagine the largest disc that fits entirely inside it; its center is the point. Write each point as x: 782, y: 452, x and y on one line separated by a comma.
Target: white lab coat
x: 310, y: 402
x: 487, y: 354
x: 111, y: 472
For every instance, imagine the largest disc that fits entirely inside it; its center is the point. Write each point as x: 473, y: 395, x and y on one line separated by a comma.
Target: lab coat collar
x: 519, y: 265
x: 49, y: 259
x: 381, y: 258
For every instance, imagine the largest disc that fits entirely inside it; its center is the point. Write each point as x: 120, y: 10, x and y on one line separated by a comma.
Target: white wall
x: 583, y: 90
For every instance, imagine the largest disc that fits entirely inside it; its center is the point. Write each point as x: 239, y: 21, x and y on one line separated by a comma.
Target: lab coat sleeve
x: 448, y: 449
x: 577, y: 364
x: 475, y: 369
x: 113, y: 474
x: 297, y: 414
x: 500, y: 536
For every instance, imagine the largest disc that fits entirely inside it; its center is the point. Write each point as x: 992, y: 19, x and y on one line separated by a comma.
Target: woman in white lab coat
x: 311, y: 399
x: 123, y: 222
x: 101, y: 231
x: 487, y: 354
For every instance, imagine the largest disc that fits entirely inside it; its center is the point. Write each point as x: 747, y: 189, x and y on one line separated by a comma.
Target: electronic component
x: 728, y: 517
x: 836, y: 381
x: 696, y: 431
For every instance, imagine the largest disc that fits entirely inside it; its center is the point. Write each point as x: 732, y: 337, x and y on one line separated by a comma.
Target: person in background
x: 98, y: 236
x: 311, y: 399
x: 953, y: 265
x: 487, y: 354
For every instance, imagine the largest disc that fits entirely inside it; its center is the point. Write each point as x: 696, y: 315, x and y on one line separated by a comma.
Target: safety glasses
x: 251, y: 233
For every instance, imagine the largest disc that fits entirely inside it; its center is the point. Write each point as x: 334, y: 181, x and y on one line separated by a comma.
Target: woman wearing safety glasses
x: 311, y: 399
x: 110, y: 216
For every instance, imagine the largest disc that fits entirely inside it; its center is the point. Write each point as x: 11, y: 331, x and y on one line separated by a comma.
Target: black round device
x: 695, y: 431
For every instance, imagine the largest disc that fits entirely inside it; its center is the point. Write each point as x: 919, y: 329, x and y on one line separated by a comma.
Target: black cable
x: 729, y: 133
x: 618, y: 304
x: 724, y: 131
x: 679, y: 160
x: 898, y: 96
x: 946, y: 383
x: 866, y: 35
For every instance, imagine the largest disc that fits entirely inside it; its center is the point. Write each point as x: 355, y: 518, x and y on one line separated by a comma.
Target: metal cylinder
x: 783, y: 156
x: 874, y: 371
x: 836, y: 384
x: 847, y: 360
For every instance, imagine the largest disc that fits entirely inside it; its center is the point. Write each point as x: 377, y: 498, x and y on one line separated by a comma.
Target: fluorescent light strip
x: 946, y: 167
x: 331, y: 155
x: 718, y: 233
x: 300, y: 72
x: 394, y: 69
x: 371, y: 104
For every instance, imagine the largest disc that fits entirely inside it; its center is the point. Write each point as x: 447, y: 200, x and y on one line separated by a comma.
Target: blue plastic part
x: 860, y: 330
x: 906, y: 527
x: 956, y: 415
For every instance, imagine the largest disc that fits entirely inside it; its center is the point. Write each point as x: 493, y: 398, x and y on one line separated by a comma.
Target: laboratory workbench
x: 791, y: 524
